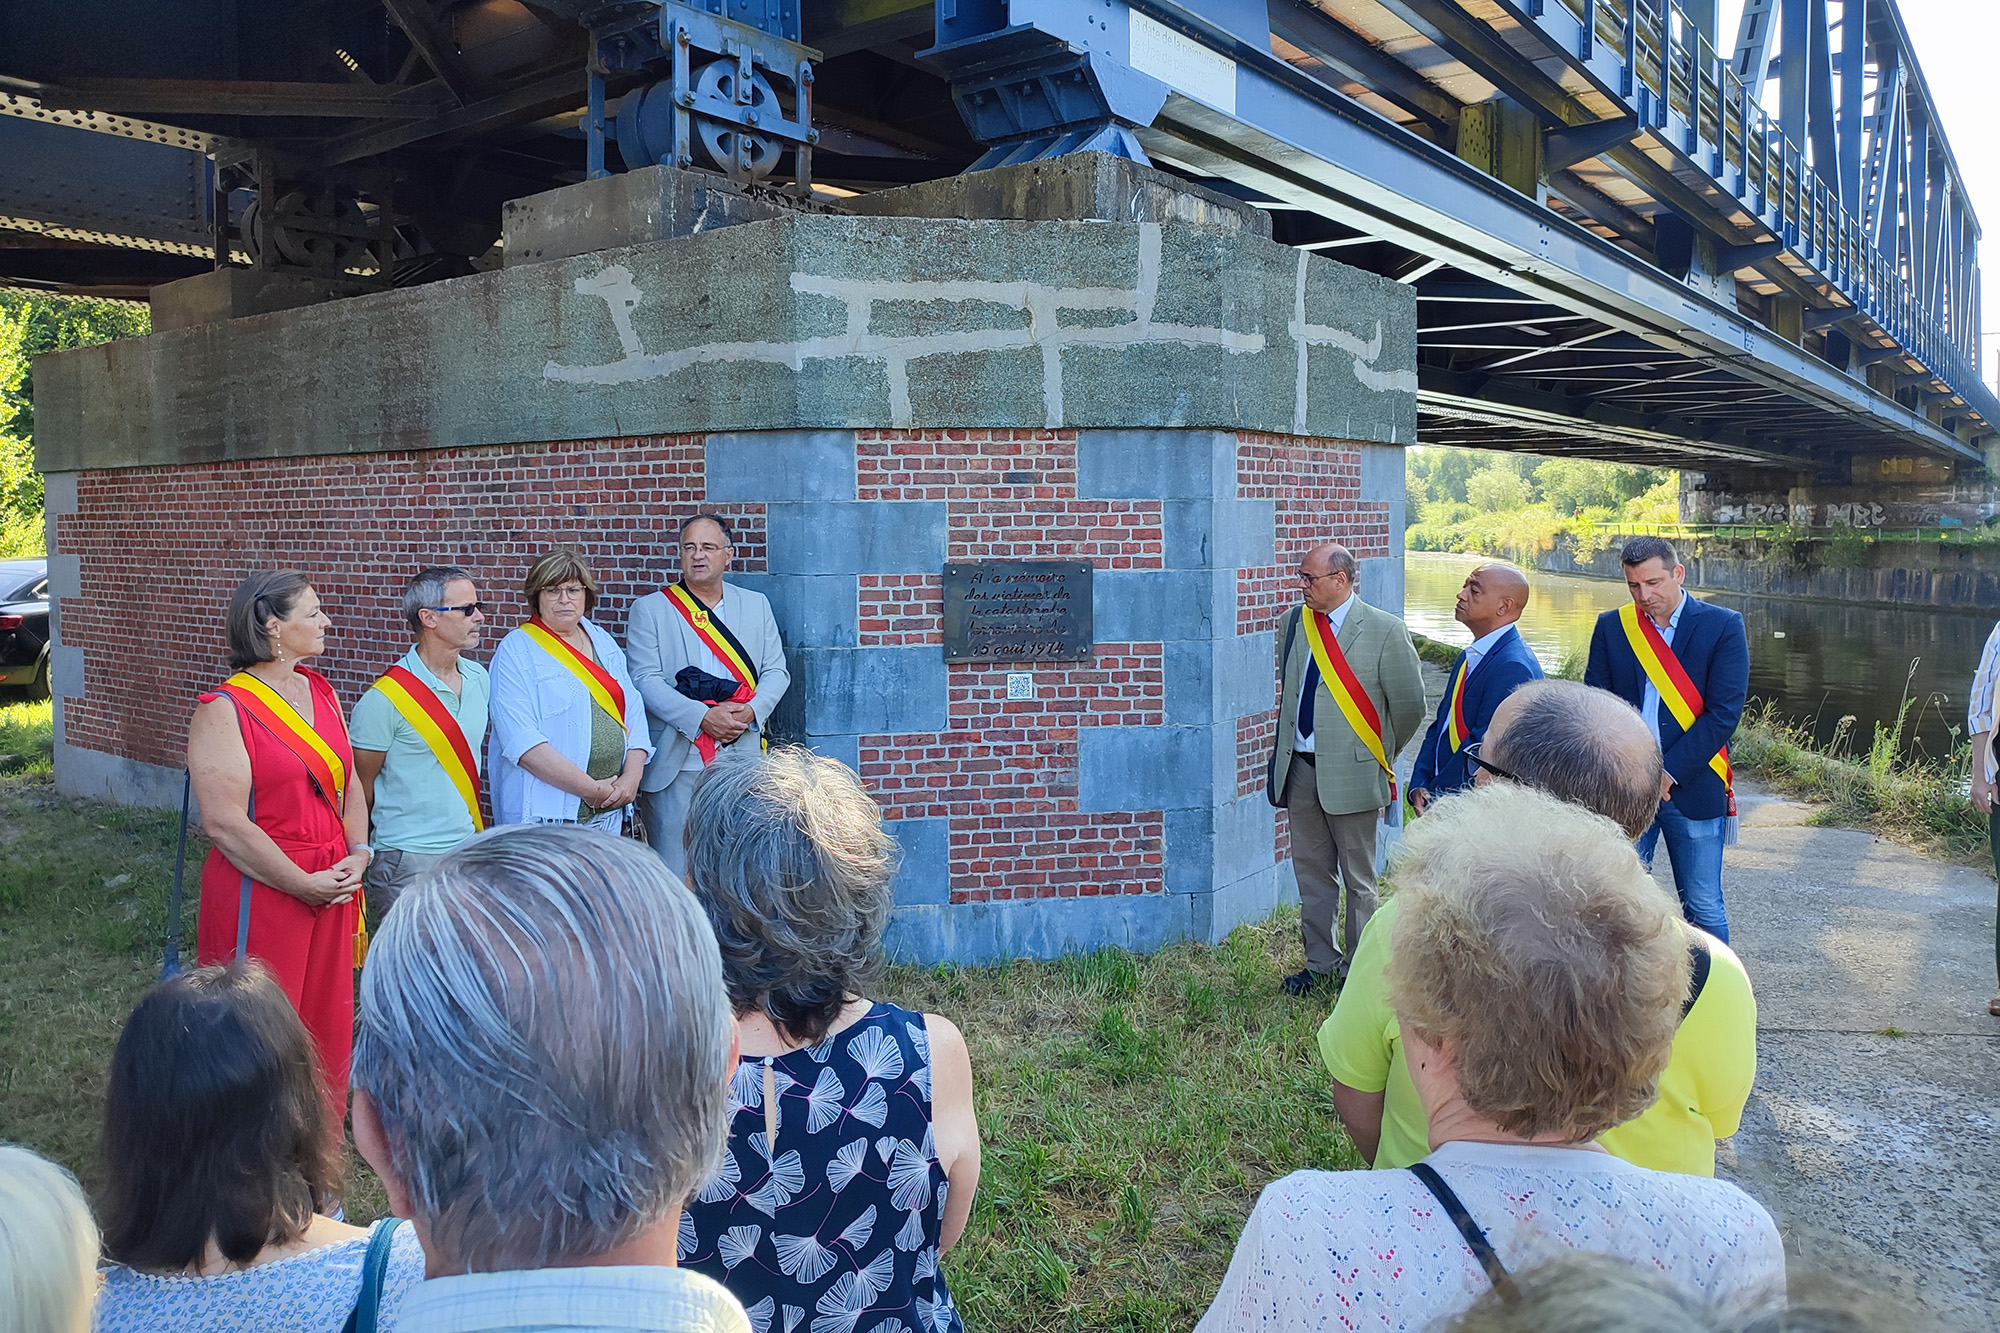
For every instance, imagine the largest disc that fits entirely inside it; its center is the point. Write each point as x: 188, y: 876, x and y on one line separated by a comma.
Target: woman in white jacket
x: 569, y: 742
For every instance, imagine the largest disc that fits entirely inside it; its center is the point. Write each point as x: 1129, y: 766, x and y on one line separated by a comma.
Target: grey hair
x: 1584, y: 746
x: 1641, y: 549
x: 546, y: 1039
x: 426, y: 591
x: 787, y: 853
x: 1340, y: 560
x: 48, y: 1247
x: 1596, y: 1293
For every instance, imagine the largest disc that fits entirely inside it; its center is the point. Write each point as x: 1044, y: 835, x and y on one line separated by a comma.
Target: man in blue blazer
x: 1486, y: 672
x: 1708, y: 640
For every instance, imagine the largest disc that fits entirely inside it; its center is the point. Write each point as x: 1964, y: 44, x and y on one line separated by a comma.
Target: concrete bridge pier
x: 1147, y: 383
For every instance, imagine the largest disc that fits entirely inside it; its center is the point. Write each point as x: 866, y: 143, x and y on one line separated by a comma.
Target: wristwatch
x: 362, y: 847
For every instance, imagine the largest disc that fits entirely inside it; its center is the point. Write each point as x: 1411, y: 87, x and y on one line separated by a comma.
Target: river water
x: 1816, y: 662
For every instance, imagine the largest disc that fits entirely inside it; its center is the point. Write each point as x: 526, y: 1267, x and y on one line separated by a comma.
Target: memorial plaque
x: 1018, y: 611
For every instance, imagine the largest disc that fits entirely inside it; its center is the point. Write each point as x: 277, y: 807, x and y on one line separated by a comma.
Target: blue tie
x: 1306, y: 705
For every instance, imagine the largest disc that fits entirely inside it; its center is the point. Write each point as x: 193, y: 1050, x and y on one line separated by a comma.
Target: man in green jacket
x: 1352, y: 696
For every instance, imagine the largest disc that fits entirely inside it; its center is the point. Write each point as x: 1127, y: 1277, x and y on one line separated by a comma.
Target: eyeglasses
x: 566, y: 592
x: 703, y: 548
x: 1474, y: 762
x: 465, y: 610
x: 1314, y: 578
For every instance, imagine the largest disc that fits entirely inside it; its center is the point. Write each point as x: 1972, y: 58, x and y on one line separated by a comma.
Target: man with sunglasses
x: 1351, y: 697
x: 419, y: 733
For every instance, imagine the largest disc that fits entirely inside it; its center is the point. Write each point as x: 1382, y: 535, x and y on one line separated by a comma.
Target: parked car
x: 24, y: 626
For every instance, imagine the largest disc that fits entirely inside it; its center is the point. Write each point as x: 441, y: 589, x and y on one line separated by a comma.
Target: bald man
x: 1330, y: 762
x: 1495, y: 664
x: 1592, y: 749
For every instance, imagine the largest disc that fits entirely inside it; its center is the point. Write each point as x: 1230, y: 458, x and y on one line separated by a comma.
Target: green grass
x: 26, y: 731
x: 1130, y: 1107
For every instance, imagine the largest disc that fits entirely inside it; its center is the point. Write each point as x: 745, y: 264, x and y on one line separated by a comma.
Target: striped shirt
x: 1979, y: 706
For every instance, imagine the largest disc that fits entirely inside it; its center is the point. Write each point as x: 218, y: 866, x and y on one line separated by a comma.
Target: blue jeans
x: 1694, y: 847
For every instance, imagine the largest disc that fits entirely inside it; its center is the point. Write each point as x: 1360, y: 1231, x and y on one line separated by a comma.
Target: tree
x: 1498, y: 490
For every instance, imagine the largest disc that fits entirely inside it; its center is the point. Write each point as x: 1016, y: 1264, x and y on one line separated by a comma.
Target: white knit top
x: 1346, y: 1250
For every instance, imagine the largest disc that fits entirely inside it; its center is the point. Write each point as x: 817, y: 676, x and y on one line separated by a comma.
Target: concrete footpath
x: 1873, y: 1135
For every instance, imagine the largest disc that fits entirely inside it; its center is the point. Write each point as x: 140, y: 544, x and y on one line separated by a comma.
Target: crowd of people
x: 617, y: 1082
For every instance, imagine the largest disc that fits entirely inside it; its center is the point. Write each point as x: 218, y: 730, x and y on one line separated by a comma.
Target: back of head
x: 215, y: 1122
x: 1594, y: 1293
x: 48, y: 1247
x: 1531, y: 944
x: 545, y: 1038
x: 787, y: 854
x: 1584, y: 746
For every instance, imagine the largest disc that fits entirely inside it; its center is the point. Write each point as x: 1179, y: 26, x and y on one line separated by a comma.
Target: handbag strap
x: 170, y: 961
x: 243, y: 901
x: 1475, y: 1239
x: 374, y: 1267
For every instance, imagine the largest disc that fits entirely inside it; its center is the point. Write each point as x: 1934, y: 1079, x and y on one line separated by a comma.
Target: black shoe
x: 1305, y: 981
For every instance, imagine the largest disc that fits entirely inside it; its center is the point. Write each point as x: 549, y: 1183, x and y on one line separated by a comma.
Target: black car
x: 24, y: 626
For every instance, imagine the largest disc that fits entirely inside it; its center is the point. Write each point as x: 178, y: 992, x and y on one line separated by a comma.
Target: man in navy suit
x: 1708, y: 640
x: 1486, y: 672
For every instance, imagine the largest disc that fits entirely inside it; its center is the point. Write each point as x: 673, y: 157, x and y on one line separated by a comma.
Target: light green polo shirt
x: 417, y: 806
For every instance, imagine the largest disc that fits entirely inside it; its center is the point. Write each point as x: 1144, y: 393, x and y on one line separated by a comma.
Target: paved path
x: 1878, y: 1154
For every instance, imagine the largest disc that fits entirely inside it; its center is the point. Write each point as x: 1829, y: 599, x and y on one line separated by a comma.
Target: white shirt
x: 537, y: 699
x: 1346, y: 1250
x: 1477, y: 649
x: 1338, y: 619
x: 1649, y: 697
x: 1979, y: 706
x: 574, y: 1300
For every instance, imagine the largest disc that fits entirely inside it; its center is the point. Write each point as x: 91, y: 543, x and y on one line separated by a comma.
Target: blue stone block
x: 1381, y: 583
x: 857, y: 691
x: 1382, y: 472
x: 856, y: 537
x: 1245, y: 675
x: 1219, y: 534
x: 847, y: 749
x: 1155, y: 464
x: 1190, y: 851
x: 812, y: 610
x: 924, y: 878
x: 781, y: 465
x: 1150, y: 605
x: 1246, y: 831
x: 1144, y: 768
x: 1189, y: 668
x: 981, y: 933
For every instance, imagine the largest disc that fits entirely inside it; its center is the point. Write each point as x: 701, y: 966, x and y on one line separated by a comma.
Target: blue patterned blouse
x: 838, y: 1234
x: 307, y: 1293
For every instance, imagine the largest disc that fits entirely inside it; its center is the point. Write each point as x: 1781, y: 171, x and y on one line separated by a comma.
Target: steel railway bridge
x: 1628, y: 240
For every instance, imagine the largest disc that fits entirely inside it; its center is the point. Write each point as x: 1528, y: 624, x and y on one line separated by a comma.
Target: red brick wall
x: 162, y: 549
x: 1317, y: 487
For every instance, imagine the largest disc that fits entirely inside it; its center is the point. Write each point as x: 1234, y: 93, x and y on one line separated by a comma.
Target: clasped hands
x: 726, y: 721
x: 337, y: 883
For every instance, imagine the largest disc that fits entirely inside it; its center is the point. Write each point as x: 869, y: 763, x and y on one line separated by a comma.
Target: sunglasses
x: 465, y: 610
x: 1474, y: 762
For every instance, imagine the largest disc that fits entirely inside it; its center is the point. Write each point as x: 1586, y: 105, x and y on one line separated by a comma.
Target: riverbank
x: 1853, y: 571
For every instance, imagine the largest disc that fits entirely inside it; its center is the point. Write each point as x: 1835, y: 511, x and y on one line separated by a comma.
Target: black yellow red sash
x: 1455, y: 729
x: 427, y: 715
x: 603, y: 686
x: 1670, y: 678
x: 723, y: 644
x: 275, y: 712
x: 1355, y: 705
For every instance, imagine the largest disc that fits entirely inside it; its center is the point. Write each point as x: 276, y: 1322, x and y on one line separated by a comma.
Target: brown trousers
x: 1327, y: 852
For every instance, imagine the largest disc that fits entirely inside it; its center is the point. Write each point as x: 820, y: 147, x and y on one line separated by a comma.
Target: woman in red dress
x: 274, y: 772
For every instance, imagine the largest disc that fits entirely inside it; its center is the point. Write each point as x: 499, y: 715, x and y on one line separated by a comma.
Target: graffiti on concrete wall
x: 1045, y: 330
x: 1855, y: 514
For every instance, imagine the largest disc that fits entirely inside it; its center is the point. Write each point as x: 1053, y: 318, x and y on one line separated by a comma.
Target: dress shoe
x: 1305, y: 981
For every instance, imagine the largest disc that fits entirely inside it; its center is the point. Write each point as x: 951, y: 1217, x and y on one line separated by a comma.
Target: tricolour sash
x: 731, y: 653
x: 426, y: 713
x: 603, y: 686
x: 276, y: 714
x: 1354, y: 702
x: 1677, y: 692
x: 1455, y: 729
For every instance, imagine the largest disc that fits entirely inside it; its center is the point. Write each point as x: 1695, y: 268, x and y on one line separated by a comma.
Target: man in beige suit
x: 1324, y: 772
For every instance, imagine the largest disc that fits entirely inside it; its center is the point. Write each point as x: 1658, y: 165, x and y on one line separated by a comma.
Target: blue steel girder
x: 1273, y: 128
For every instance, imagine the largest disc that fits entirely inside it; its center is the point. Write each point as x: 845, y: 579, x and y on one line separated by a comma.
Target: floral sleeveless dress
x: 839, y: 1232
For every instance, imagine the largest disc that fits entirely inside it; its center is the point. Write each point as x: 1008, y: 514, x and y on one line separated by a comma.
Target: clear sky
x: 1956, y: 43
